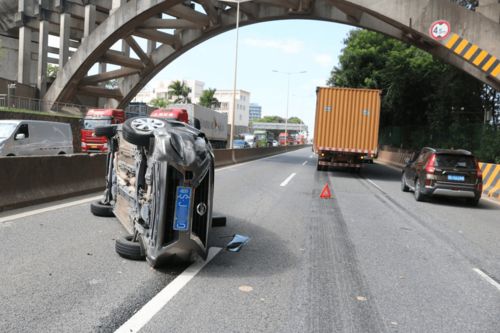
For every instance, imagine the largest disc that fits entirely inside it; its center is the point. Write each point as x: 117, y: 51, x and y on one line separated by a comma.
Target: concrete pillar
x: 115, y: 4
x: 89, y: 23
x: 43, y: 44
x: 64, y: 39
x: 101, y: 101
x: 151, y: 46
x: 24, y: 56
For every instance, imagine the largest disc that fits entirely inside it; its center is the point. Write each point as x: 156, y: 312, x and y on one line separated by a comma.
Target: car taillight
x: 479, y: 173
x: 429, y: 167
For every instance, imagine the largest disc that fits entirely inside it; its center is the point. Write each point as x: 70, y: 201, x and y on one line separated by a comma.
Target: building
x: 160, y: 90
x: 242, y: 110
x: 255, y: 111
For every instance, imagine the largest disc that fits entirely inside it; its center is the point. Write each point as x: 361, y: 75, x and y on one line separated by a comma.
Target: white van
x: 33, y: 137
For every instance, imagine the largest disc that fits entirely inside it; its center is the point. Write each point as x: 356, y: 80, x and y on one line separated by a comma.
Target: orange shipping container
x: 347, y: 120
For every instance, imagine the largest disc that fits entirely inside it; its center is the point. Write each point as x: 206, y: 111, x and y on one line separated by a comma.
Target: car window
x: 23, y: 129
x: 455, y: 161
x: 421, y: 157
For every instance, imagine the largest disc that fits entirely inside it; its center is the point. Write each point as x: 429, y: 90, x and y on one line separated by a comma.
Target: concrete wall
x: 74, y: 122
x: 30, y: 180
x: 22, y: 90
x: 8, y: 58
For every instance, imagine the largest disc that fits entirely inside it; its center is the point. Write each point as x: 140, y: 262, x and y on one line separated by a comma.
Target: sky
x: 285, y: 46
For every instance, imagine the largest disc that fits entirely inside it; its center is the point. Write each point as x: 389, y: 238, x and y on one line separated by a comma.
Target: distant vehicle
x: 346, y: 127
x: 240, y: 144
x: 249, y: 138
x: 283, y: 140
x: 34, y: 137
x: 275, y: 143
x: 443, y: 172
x: 263, y: 138
x: 212, y: 123
x: 96, y: 118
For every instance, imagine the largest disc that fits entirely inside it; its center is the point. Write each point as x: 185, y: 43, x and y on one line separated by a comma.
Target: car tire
x: 404, y: 187
x: 128, y: 249
x: 474, y: 201
x: 106, y: 131
x: 103, y: 210
x: 320, y: 167
x: 419, y: 196
x: 139, y: 130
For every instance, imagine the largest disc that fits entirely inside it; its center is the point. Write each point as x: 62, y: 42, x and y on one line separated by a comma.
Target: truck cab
x: 96, y: 118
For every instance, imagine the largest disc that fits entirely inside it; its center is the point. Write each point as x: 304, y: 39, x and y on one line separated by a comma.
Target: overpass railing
x: 37, y: 105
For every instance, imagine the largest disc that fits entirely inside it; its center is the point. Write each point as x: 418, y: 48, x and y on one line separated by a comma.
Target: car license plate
x: 182, y: 205
x: 456, y: 178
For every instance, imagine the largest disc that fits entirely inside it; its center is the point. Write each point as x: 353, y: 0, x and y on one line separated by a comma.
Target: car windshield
x: 93, y: 123
x: 455, y: 161
x: 238, y: 142
x: 6, y: 129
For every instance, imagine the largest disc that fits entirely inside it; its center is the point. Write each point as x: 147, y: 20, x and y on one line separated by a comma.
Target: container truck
x: 212, y: 123
x: 346, y: 127
x: 97, y: 118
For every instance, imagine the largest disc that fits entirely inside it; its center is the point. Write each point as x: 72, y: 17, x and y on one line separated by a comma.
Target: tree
x: 431, y: 103
x: 295, y: 120
x: 52, y: 71
x: 208, y: 100
x: 270, y: 119
x: 159, y: 102
x: 180, y: 90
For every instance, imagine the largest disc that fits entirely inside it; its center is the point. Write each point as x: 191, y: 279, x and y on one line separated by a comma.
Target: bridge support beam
x: 64, y: 39
x: 43, y: 45
x: 24, y: 56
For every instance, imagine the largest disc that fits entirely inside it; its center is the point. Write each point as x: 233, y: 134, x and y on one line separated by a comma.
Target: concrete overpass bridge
x: 88, y: 29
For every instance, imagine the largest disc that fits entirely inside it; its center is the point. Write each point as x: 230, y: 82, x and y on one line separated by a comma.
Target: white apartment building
x: 242, y: 111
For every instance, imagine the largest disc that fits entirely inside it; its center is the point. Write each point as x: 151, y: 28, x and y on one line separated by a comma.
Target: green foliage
x: 424, y: 101
x: 295, y: 120
x: 270, y: 119
x: 180, y: 91
x: 159, y: 102
x: 207, y: 98
x: 52, y: 70
x: 490, y: 145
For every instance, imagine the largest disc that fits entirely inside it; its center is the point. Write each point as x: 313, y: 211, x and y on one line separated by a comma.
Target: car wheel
x: 474, y: 201
x: 404, y: 187
x: 139, y: 130
x: 419, y: 196
x: 127, y: 248
x: 106, y: 131
x: 99, y: 209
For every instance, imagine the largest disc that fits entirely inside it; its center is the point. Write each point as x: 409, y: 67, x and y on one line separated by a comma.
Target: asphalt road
x: 371, y: 259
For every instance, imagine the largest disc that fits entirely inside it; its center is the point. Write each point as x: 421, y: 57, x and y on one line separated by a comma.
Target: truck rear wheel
x: 139, y: 130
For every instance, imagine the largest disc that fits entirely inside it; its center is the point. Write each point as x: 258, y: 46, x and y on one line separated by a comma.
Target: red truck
x: 95, y: 118
x: 283, y: 141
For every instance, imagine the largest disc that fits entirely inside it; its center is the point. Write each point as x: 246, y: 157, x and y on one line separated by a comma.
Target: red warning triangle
x: 325, y: 193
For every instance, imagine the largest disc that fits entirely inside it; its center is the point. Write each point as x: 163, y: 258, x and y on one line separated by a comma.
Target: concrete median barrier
x: 36, y: 179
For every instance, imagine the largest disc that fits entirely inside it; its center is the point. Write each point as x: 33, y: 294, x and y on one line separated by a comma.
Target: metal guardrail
x: 38, y: 105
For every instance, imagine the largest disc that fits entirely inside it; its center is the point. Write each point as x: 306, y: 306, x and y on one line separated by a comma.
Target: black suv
x: 446, y: 172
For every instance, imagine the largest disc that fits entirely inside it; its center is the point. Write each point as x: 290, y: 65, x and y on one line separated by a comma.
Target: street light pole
x: 233, y: 109
x: 287, y: 99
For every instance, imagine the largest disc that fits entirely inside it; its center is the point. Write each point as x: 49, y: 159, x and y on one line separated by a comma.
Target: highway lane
x: 369, y: 260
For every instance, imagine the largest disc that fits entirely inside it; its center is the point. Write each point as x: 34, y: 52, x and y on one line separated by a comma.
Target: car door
x: 413, y: 167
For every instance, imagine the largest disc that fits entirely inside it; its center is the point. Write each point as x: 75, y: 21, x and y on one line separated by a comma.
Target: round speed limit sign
x: 439, y: 30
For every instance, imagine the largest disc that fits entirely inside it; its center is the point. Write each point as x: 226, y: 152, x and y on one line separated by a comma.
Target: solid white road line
x: 371, y: 182
x: 48, y: 209
x: 285, y: 182
x: 305, y: 162
x: 144, y: 315
x: 487, y: 278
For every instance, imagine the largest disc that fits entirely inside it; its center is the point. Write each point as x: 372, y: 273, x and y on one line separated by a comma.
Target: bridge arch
x: 195, y: 22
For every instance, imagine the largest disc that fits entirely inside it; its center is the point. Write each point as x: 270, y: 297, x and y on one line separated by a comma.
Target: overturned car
x: 159, y: 184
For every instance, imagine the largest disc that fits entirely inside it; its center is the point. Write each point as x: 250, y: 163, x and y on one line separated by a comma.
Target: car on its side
x: 159, y: 185
x: 240, y: 144
x: 447, y: 172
